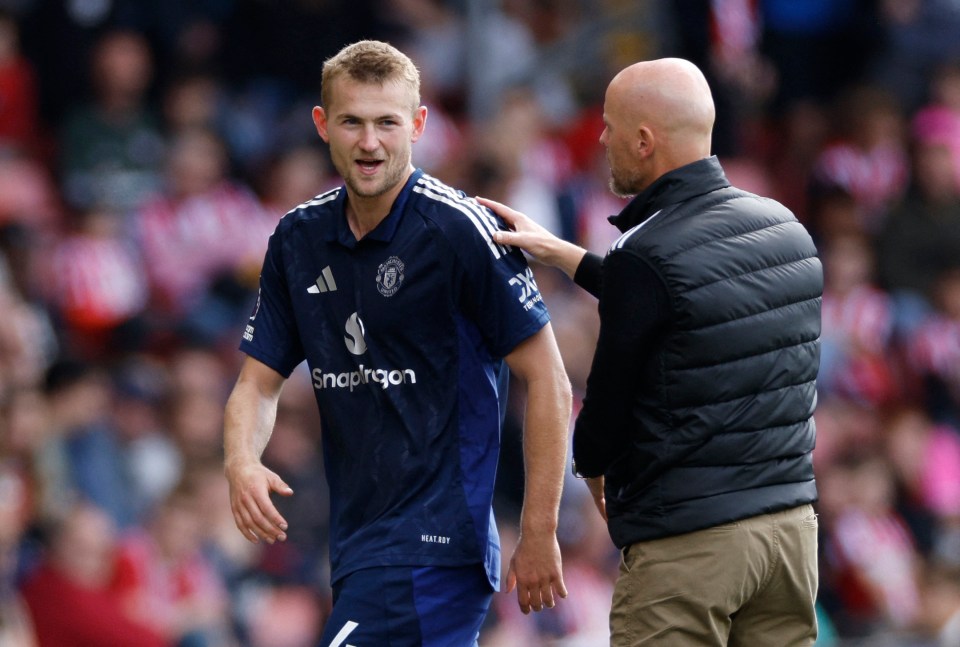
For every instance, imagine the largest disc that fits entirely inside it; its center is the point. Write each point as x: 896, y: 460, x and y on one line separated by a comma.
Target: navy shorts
x: 402, y: 606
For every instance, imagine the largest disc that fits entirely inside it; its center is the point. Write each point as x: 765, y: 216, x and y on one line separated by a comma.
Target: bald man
x: 696, y: 430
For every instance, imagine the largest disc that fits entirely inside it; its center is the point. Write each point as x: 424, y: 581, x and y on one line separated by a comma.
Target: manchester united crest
x: 390, y: 276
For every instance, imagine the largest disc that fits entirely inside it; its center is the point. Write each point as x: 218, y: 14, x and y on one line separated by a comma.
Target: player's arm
x: 535, y: 568
x: 249, y: 417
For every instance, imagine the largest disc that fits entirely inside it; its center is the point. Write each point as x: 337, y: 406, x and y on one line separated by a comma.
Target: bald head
x: 664, y: 110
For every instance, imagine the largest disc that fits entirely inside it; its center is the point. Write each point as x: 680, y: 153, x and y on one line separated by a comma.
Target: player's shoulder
x: 460, y: 218
x: 316, y: 208
x: 448, y: 206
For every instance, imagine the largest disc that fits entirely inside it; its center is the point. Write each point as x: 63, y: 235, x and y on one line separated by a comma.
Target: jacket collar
x: 678, y: 185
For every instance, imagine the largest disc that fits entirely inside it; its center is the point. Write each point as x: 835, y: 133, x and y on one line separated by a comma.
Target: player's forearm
x: 248, y: 423
x: 545, y: 442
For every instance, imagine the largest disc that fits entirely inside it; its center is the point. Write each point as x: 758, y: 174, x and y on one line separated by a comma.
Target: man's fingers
x: 523, y: 599
x: 539, y: 595
x: 536, y: 602
x: 250, y: 501
x: 258, y: 515
x: 511, y: 579
x: 599, y: 503
x: 498, y: 207
x: 536, y: 570
x: 509, y: 216
x: 241, y: 519
x: 269, y: 520
x: 249, y: 535
x: 278, y: 486
x: 258, y: 524
x: 596, y: 489
x: 506, y: 238
x: 546, y: 596
x: 551, y: 591
x: 248, y: 527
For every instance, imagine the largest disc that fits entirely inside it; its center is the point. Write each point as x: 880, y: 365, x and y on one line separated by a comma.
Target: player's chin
x: 365, y: 187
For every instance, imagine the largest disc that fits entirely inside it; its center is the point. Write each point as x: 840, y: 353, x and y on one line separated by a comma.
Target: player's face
x: 371, y: 129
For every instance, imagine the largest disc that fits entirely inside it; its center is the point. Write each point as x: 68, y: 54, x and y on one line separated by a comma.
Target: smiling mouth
x: 369, y: 166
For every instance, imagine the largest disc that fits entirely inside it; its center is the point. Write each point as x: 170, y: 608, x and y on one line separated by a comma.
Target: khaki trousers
x: 751, y: 583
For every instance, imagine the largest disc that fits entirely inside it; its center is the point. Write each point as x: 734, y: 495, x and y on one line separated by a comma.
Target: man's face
x: 619, y: 138
x: 370, y: 129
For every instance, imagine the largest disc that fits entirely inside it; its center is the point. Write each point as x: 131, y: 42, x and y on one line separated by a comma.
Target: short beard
x: 389, y: 182
x: 623, y: 189
x: 363, y: 193
x: 624, y: 183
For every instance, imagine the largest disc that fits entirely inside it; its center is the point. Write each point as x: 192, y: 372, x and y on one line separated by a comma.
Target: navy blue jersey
x: 404, y: 334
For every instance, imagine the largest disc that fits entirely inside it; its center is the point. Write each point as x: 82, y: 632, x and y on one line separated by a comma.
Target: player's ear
x: 419, y: 122
x: 320, y: 121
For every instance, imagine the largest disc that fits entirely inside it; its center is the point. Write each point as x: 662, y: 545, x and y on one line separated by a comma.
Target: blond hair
x: 370, y: 61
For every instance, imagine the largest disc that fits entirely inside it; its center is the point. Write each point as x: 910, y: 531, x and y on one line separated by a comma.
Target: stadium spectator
x: 166, y: 580
x: 856, y: 359
x: 69, y: 592
x: 111, y: 148
x: 84, y: 443
x: 934, y: 350
x: 19, y: 109
x: 868, y: 158
x: 200, y: 239
x: 925, y: 458
x: 16, y: 501
x: 921, y: 236
x: 96, y: 286
x: 871, y: 563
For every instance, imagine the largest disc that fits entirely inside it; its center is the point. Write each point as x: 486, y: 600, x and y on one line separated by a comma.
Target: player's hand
x: 254, y: 513
x: 596, y: 490
x: 536, y: 572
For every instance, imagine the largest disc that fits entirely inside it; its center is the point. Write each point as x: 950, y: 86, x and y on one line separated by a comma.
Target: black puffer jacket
x: 722, y: 421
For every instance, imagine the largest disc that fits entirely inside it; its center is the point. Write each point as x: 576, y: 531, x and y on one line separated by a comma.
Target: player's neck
x: 361, y: 218
x: 365, y: 213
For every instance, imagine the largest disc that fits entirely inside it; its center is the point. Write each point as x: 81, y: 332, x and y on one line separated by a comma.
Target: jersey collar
x: 678, y: 185
x: 383, y: 232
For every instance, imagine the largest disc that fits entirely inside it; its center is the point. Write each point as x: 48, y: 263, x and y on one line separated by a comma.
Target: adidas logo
x: 324, y: 282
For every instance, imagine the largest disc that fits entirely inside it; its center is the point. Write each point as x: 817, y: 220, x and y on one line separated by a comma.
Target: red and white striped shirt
x: 187, y: 243
x: 97, y: 282
x: 935, y: 349
x: 861, y: 318
x: 875, y: 178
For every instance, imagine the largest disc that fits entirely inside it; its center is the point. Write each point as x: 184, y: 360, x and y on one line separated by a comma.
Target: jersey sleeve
x: 271, y: 334
x: 500, y: 293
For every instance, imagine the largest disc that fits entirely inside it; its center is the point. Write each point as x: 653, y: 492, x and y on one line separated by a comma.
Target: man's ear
x: 419, y: 122
x: 320, y: 121
x: 645, y: 143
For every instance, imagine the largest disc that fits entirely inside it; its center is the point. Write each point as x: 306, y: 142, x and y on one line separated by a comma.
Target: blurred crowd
x: 148, y: 149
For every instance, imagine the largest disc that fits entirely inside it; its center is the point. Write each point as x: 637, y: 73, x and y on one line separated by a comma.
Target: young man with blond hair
x: 393, y: 290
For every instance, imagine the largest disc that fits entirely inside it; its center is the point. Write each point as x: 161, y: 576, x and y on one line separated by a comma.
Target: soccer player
x: 405, y: 309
